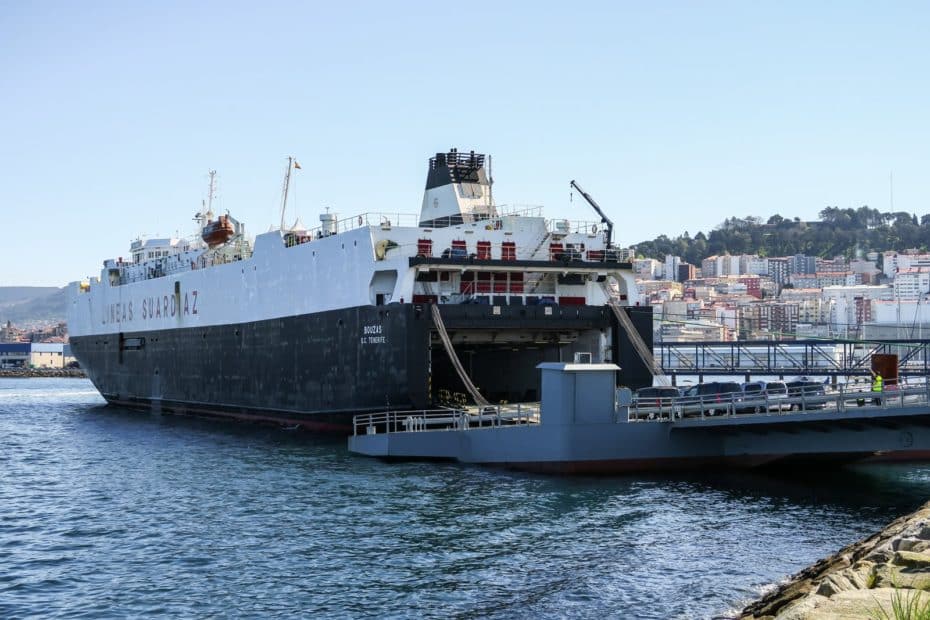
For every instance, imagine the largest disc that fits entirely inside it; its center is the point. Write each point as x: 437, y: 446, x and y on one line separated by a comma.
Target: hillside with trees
x: 839, y: 232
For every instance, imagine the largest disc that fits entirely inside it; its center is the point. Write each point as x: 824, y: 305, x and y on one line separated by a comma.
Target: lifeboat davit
x: 218, y: 232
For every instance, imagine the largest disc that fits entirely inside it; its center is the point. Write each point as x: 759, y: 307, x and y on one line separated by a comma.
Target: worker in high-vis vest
x: 877, y: 388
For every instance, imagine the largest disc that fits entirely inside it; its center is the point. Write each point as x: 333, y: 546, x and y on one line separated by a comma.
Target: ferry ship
x: 367, y: 313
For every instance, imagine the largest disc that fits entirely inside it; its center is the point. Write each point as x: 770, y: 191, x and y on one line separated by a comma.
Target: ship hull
x: 318, y: 370
x: 315, y: 370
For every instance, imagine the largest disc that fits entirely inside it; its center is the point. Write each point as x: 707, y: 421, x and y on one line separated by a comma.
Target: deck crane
x: 594, y: 205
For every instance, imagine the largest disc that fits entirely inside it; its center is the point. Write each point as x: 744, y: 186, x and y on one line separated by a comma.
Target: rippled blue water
x: 110, y: 513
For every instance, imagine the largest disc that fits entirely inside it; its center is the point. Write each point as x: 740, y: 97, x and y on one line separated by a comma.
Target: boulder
x: 912, y: 559
x: 890, y: 576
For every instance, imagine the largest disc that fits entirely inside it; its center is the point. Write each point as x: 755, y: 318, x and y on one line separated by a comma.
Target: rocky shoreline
x: 29, y: 373
x: 862, y: 580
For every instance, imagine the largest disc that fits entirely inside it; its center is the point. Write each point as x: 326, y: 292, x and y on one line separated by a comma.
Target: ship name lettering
x: 117, y: 313
x: 152, y: 308
x: 158, y: 307
x: 371, y: 329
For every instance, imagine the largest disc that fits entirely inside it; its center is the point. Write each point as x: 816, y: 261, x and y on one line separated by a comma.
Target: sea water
x: 106, y: 512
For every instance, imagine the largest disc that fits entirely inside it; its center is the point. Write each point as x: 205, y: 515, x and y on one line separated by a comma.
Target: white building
x: 647, y: 268
x: 894, y: 262
x: 729, y: 265
x: 912, y: 283
x: 754, y: 265
x: 671, y: 267
x: 899, y: 319
x: 853, y: 306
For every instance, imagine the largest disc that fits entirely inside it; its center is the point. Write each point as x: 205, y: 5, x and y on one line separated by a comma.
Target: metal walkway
x: 797, y: 357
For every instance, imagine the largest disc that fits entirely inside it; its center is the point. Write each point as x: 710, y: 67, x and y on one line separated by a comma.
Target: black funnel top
x: 456, y: 167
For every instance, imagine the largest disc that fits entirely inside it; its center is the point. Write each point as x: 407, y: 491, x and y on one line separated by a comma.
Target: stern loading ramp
x: 480, y: 400
x: 498, y: 347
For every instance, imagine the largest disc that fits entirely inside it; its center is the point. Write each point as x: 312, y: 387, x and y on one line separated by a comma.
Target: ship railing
x: 803, y: 399
x: 372, y: 218
x: 519, y: 210
x: 423, y: 420
x: 412, y: 220
x: 564, y: 227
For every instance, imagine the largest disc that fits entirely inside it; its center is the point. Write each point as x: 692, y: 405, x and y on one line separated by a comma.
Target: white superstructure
x: 462, y: 248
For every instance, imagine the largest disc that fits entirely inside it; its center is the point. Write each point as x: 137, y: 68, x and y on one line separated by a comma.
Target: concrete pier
x: 585, y: 425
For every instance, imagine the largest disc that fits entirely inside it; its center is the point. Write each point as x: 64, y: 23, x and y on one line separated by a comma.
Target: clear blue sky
x: 673, y: 115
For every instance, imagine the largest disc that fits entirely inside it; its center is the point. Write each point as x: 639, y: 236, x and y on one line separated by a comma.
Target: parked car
x: 650, y: 402
x: 809, y: 394
x: 715, y: 397
x: 765, y: 396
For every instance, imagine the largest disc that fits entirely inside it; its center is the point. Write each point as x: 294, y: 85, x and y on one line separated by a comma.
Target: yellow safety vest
x: 877, y: 384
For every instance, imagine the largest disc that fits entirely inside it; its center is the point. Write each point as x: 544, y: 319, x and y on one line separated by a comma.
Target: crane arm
x: 594, y: 205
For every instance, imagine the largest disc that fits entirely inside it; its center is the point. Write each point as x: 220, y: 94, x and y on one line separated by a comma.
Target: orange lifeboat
x: 218, y: 232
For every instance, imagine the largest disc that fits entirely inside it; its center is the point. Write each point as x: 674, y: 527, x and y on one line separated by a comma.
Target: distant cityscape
x: 750, y: 297
x: 39, y: 346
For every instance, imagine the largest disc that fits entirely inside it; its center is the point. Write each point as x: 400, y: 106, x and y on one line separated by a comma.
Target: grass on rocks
x: 906, y: 604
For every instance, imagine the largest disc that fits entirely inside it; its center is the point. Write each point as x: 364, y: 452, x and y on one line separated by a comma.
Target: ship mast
x: 210, y: 193
x: 291, y: 164
x: 490, y: 186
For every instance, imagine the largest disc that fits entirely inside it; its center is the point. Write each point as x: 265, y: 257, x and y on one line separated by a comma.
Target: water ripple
x: 111, y: 513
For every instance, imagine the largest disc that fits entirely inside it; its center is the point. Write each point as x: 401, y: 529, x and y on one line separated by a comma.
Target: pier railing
x: 801, y: 399
x: 422, y: 420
